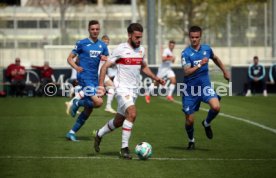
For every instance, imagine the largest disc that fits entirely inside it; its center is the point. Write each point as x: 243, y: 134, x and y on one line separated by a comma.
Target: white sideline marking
x: 236, y: 118
x: 117, y: 158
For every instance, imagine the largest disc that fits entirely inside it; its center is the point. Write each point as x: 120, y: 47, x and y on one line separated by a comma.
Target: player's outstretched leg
x: 190, y: 132
x: 97, y: 141
x: 108, y: 127
x: 71, y: 136
x: 68, y: 106
x: 125, y: 153
x: 208, y: 130
x: 74, y: 107
x: 191, y: 146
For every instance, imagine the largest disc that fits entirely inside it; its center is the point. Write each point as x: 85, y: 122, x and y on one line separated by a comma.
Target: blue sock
x: 85, y: 103
x: 211, y: 115
x: 190, y: 131
x: 80, y: 121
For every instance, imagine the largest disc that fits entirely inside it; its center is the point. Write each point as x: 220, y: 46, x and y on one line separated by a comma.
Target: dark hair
x: 195, y: 29
x: 255, y: 57
x: 172, y: 41
x: 134, y: 27
x: 93, y: 22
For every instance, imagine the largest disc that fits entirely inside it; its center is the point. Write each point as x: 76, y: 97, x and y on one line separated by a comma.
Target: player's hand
x: 100, y: 91
x: 226, y: 76
x: 103, y: 58
x: 161, y: 81
x: 79, y: 69
x: 204, y: 61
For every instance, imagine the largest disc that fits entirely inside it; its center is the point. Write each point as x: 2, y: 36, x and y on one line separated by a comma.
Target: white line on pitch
x: 117, y: 158
x: 236, y: 118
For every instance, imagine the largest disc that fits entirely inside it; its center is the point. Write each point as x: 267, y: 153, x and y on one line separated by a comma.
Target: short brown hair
x: 134, y: 27
x: 172, y: 41
x: 93, y: 22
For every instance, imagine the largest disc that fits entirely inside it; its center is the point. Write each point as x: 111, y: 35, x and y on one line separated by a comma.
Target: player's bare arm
x: 218, y: 62
x: 72, y: 63
x: 149, y: 73
x: 101, y: 89
x: 188, y: 70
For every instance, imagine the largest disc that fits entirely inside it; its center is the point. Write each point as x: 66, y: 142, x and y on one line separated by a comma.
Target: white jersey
x: 128, y: 62
x: 74, y: 74
x: 166, y: 53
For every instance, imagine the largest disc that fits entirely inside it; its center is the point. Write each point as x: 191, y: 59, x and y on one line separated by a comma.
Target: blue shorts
x: 191, y: 100
x: 89, y: 87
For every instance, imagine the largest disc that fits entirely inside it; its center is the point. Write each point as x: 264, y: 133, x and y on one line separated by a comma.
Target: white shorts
x: 112, y: 71
x: 106, y: 79
x: 165, y: 73
x: 125, y: 99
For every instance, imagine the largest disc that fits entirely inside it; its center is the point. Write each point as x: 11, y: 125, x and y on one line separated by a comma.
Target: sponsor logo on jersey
x: 94, y: 53
x: 130, y: 61
x: 196, y: 62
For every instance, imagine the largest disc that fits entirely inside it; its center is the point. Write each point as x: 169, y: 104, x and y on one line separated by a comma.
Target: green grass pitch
x: 33, y: 144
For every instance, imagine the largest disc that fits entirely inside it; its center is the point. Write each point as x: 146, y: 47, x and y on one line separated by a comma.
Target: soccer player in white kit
x: 165, y: 71
x: 129, y: 59
x: 108, y: 82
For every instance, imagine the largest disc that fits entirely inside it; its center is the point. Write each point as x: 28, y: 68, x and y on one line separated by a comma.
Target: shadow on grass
x: 113, y: 153
x: 180, y: 148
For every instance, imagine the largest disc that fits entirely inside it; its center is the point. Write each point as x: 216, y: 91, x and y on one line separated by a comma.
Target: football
x: 143, y: 150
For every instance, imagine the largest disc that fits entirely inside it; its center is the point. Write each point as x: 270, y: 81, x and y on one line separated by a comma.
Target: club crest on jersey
x: 100, y: 46
x: 94, y: 53
x: 128, y: 61
x: 127, y: 97
x: 204, y: 53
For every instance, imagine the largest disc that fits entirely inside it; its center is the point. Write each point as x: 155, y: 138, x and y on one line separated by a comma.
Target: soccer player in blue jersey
x: 89, y: 52
x: 197, y: 84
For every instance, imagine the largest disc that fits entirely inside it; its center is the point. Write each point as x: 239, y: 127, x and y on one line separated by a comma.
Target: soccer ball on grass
x: 143, y: 150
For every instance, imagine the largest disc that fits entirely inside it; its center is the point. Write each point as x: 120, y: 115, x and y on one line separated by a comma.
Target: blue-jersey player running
x: 197, y: 85
x: 89, y: 52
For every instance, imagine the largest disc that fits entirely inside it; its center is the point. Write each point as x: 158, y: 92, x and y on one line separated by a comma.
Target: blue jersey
x: 192, y: 57
x: 198, y: 85
x: 89, y: 54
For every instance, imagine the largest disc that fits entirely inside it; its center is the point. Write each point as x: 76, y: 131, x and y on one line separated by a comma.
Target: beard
x: 133, y: 44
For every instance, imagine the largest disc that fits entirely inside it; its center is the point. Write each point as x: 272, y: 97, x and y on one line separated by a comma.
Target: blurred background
x: 40, y: 30
x: 37, y: 31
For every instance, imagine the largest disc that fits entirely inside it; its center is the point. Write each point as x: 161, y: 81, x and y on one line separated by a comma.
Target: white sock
x: 150, y: 89
x: 171, y: 89
x: 71, y: 131
x: 126, y: 132
x: 108, y: 127
x: 248, y: 93
x: 193, y: 140
x: 206, y: 124
x: 265, y: 93
x: 110, y: 96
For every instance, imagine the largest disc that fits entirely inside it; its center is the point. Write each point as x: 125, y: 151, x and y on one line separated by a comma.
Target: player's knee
x: 98, y: 103
x: 216, y: 108
x: 189, y: 121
